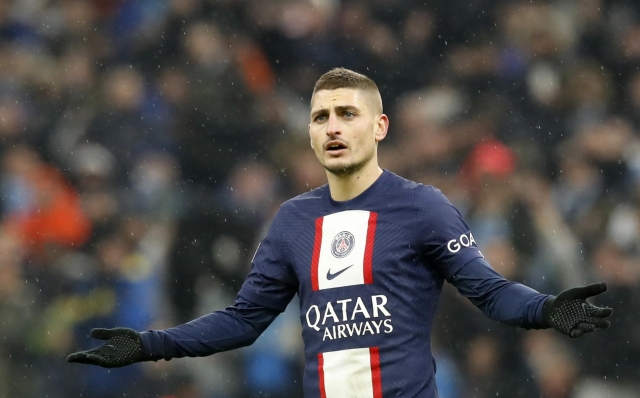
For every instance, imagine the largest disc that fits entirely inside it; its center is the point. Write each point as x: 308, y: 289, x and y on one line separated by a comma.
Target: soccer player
x: 367, y: 255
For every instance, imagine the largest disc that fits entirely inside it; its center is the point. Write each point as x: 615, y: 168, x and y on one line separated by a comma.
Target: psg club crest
x: 342, y: 244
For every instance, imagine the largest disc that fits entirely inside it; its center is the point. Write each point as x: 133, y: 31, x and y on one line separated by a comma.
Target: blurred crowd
x: 146, y: 144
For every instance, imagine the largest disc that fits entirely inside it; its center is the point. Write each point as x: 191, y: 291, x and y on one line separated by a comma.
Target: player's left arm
x: 515, y: 304
x: 448, y: 244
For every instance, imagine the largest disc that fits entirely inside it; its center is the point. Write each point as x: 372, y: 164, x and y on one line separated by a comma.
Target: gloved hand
x: 569, y: 313
x: 123, y: 347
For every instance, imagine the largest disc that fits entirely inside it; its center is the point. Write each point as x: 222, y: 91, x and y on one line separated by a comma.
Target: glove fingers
x: 86, y: 357
x: 598, y: 322
x: 588, y: 327
x: 575, y: 333
x: 583, y: 292
x: 581, y: 329
x: 601, y: 312
x: 106, y: 334
x: 102, y: 334
x: 79, y: 357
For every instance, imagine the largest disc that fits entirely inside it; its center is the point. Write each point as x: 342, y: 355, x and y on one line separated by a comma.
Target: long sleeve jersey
x: 369, y: 272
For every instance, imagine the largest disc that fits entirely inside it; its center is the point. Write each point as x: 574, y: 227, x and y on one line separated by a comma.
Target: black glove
x: 123, y: 347
x: 569, y: 313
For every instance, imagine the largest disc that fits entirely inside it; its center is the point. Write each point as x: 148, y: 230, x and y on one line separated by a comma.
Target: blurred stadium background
x: 145, y: 145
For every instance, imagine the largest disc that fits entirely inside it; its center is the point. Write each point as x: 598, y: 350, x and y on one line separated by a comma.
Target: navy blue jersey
x: 368, y: 272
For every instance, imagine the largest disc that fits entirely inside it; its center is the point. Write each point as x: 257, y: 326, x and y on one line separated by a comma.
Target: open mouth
x: 334, y: 146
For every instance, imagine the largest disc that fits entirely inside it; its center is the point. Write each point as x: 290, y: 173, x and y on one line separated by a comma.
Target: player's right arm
x: 236, y: 326
x: 265, y: 293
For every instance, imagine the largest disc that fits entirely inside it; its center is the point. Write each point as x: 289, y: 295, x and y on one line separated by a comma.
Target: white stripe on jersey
x: 343, y: 256
x: 353, y: 373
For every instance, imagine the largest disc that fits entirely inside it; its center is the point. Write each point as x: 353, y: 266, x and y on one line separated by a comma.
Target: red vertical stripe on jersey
x: 323, y: 393
x: 376, y: 379
x: 315, y: 257
x: 368, y: 249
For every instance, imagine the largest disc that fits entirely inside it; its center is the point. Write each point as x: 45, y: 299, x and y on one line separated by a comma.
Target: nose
x: 333, y: 125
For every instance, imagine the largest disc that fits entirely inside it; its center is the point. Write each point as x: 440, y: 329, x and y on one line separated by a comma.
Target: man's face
x: 346, y: 125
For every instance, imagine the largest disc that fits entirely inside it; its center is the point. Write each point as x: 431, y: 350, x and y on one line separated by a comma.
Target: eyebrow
x: 339, y: 109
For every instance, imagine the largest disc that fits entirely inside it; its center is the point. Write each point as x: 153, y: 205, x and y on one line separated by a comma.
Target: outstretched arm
x: 498, y: 298
x: 236, y: 326
x: 518, y: 305
x: 265, y: 293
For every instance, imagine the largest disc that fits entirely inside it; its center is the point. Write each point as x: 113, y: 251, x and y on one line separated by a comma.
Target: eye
x: 320, y: 118
x: 349, y: 114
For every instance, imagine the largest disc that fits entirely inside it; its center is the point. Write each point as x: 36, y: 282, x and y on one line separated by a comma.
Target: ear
x: 382, y: 126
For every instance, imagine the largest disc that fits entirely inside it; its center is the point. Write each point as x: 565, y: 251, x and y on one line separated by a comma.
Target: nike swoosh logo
x: 331, y: 276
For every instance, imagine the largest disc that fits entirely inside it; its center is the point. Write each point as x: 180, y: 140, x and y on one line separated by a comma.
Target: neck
x: 346, y: 187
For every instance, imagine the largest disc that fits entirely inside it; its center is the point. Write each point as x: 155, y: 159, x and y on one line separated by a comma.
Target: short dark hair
x: 344, y: 78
